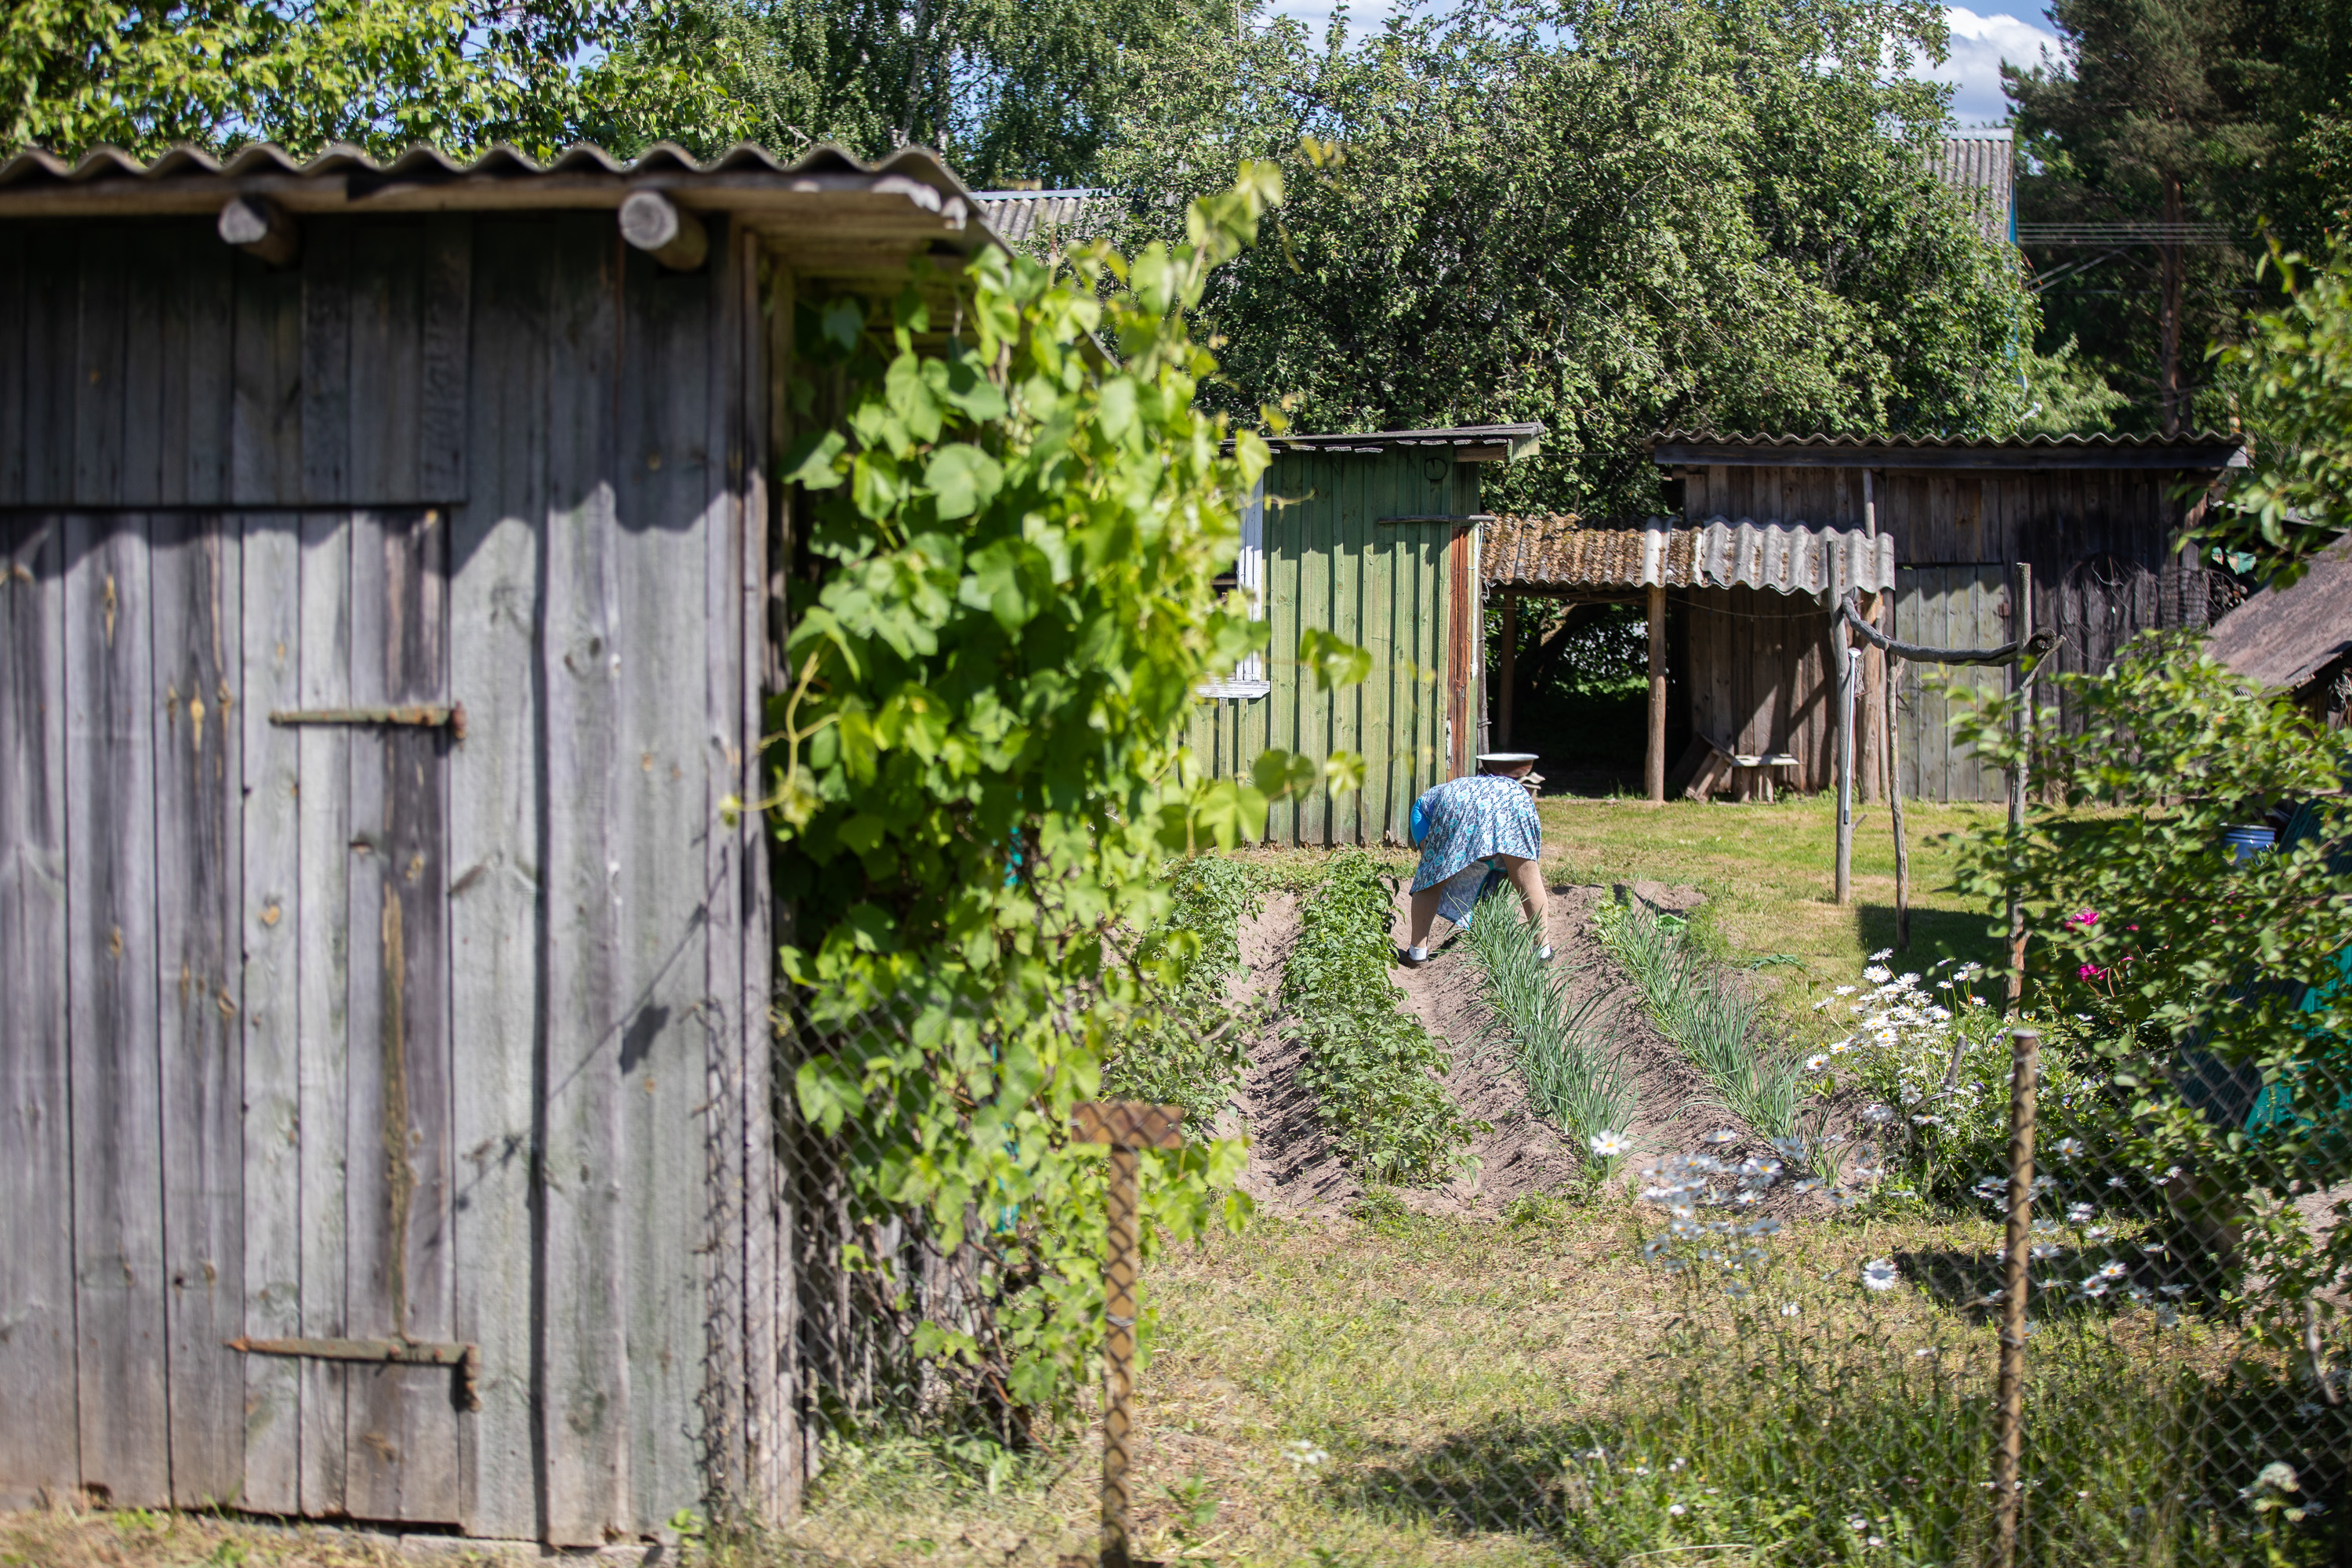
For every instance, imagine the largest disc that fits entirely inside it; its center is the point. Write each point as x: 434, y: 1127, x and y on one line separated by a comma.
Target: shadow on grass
x: 1960, y: 935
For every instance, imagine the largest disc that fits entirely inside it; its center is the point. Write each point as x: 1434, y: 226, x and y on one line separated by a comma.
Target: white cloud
x: 1978, y: 45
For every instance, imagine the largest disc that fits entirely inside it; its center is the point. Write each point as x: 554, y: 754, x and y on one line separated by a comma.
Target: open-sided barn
x: 2093, y: 521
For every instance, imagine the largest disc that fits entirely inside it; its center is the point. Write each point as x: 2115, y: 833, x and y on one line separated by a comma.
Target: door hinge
x: 418, y: 715
x: 466, y: 1358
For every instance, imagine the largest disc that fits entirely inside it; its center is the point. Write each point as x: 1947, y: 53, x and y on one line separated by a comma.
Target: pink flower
x: 2090, y: 972
x: 2084, y: 918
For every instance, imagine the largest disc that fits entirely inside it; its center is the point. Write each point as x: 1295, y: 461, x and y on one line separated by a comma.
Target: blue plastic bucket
x: 2249, y: 839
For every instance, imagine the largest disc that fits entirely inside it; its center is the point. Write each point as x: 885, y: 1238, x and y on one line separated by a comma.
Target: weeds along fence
x: 1729, y: 1351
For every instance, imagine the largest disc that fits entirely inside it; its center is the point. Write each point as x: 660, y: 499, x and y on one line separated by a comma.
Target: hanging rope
x: 2038, y: 645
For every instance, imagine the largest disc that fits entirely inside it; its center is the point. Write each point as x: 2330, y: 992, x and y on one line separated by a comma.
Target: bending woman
x: 1487, y: 817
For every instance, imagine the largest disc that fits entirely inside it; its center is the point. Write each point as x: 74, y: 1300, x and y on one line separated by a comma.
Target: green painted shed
x: 1374, y: 538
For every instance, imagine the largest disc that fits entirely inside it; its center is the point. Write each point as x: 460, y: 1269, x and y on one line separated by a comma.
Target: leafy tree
x: 1612, y: 218
x: 1005, y: 91
x: 380, y: 74
x: 2292, y: 374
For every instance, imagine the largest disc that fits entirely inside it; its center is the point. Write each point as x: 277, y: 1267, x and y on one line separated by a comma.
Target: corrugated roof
x: 1049, y: 217
x: 1519, y: 441
x: 2207, y: 451
x: 1980, y: 168
x: 912, y: 183
x: 1547, y: 550
x: 2280, y: 641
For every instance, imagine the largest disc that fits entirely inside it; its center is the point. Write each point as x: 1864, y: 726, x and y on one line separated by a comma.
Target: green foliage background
x: 1612, y: 218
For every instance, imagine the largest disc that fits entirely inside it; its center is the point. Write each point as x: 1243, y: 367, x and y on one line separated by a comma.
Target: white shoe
x: 1543, y: 953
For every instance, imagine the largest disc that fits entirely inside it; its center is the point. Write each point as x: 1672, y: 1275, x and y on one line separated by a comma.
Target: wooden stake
x: 1653, y: 763
x: 2008, y: 1413
x: 2021, y: 684
x: 1894, y: 808
x: 1506, y: 668
x: 1848, y: 657
x: 1127, y: 1126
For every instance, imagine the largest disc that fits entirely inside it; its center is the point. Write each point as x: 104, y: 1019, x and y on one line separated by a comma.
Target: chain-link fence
x: 1772, y: 1337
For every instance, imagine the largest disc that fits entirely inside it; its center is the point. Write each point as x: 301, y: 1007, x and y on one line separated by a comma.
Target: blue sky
x: 1981, y: 41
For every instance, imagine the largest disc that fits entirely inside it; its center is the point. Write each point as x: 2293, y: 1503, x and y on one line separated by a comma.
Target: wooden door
x: 350, y: 1168
x: 1962, y: 606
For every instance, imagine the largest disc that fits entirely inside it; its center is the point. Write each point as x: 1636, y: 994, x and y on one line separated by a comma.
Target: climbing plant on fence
x: 975, y: 765
x: 2217, y: 993
x: 1372, y: 1067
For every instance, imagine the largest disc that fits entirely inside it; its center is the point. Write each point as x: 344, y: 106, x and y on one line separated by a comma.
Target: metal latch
x: 466, y: 1359
x: 419, y: 715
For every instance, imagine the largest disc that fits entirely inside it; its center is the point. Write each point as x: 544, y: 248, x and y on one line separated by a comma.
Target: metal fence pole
x: 2009, y: 1416
x: 2022, y: 684
x: 1127, y: 1126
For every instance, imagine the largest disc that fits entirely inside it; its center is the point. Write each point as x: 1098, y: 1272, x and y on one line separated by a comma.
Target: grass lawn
x: 1770, y: 873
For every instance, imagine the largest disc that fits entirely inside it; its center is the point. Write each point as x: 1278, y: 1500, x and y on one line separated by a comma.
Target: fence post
x: 1127, y: 1126
x: 2009, y: 1416
x: 2021, y: 684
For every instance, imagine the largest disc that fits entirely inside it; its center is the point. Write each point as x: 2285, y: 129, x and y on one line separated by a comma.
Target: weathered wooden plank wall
x: 497, y: 855
x: 327, y: 990
x: 2098, y: 540
x: 113, y: 963
x: 1758, y: 680
x: 1946, y: 607
x: 197, y: 598
x: 37, y: 1440
x: 271, y: 927
x: 1330, y: 564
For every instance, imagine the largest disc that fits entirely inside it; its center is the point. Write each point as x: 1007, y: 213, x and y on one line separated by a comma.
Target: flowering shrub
x: 1930, y: 1061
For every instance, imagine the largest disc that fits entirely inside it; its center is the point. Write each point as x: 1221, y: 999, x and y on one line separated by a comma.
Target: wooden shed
x: 1374, y: 538
x: 2095, y: 521
x: 385, y: 1053
x: 2298, y: 640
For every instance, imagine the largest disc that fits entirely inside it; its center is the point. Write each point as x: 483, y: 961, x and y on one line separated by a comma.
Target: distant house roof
x: 1024, y: 218
x: 2282, y: 639
x: 1560, y: 552
x: 1980, y: 168
x: 2208, y: 452
x: 1473, y: 442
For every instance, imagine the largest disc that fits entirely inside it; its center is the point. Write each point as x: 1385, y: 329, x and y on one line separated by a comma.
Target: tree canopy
x: 1612, y: 218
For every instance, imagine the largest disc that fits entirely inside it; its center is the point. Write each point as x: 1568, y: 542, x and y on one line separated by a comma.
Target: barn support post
x: 1506, y: 662
x: 1653, y: 760
x: 1873, y: 664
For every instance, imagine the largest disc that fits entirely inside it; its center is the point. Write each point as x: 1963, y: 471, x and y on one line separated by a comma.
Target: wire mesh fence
x: 1774, y: 1337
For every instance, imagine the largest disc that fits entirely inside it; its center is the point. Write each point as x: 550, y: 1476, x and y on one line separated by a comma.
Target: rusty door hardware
x: 466, y: 1359
x: 1127, y: 1126
x: 418, y: 715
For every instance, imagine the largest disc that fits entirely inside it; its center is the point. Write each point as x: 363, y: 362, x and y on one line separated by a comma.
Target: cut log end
x: 653, y: 223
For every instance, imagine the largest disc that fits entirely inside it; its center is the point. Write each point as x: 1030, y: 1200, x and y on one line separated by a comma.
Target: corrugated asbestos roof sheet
x: 184, y: 180
x: 2205, y: 451
x: 1560, y: 552
x: 1981, y: 170
x: 2280, y: 641
x: 1049, y: 217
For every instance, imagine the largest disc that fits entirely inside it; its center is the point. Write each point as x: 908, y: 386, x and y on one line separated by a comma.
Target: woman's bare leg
x: 1424, y: 913
x: 1527, y: 877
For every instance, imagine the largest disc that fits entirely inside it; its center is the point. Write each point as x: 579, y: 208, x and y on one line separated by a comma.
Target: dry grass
x: 69, y: 1537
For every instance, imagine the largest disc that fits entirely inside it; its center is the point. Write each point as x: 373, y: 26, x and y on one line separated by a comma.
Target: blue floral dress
x: 1463, y: 824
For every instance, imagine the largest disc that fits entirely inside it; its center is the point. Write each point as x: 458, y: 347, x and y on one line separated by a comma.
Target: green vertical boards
x: 1950, y: 606
x: 1332, y: 563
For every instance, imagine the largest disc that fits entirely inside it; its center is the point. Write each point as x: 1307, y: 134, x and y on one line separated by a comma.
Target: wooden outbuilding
x: 385, y: 558
x: 2095, y: 522
x: 1374, y: 538
x: 2298, y: 640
